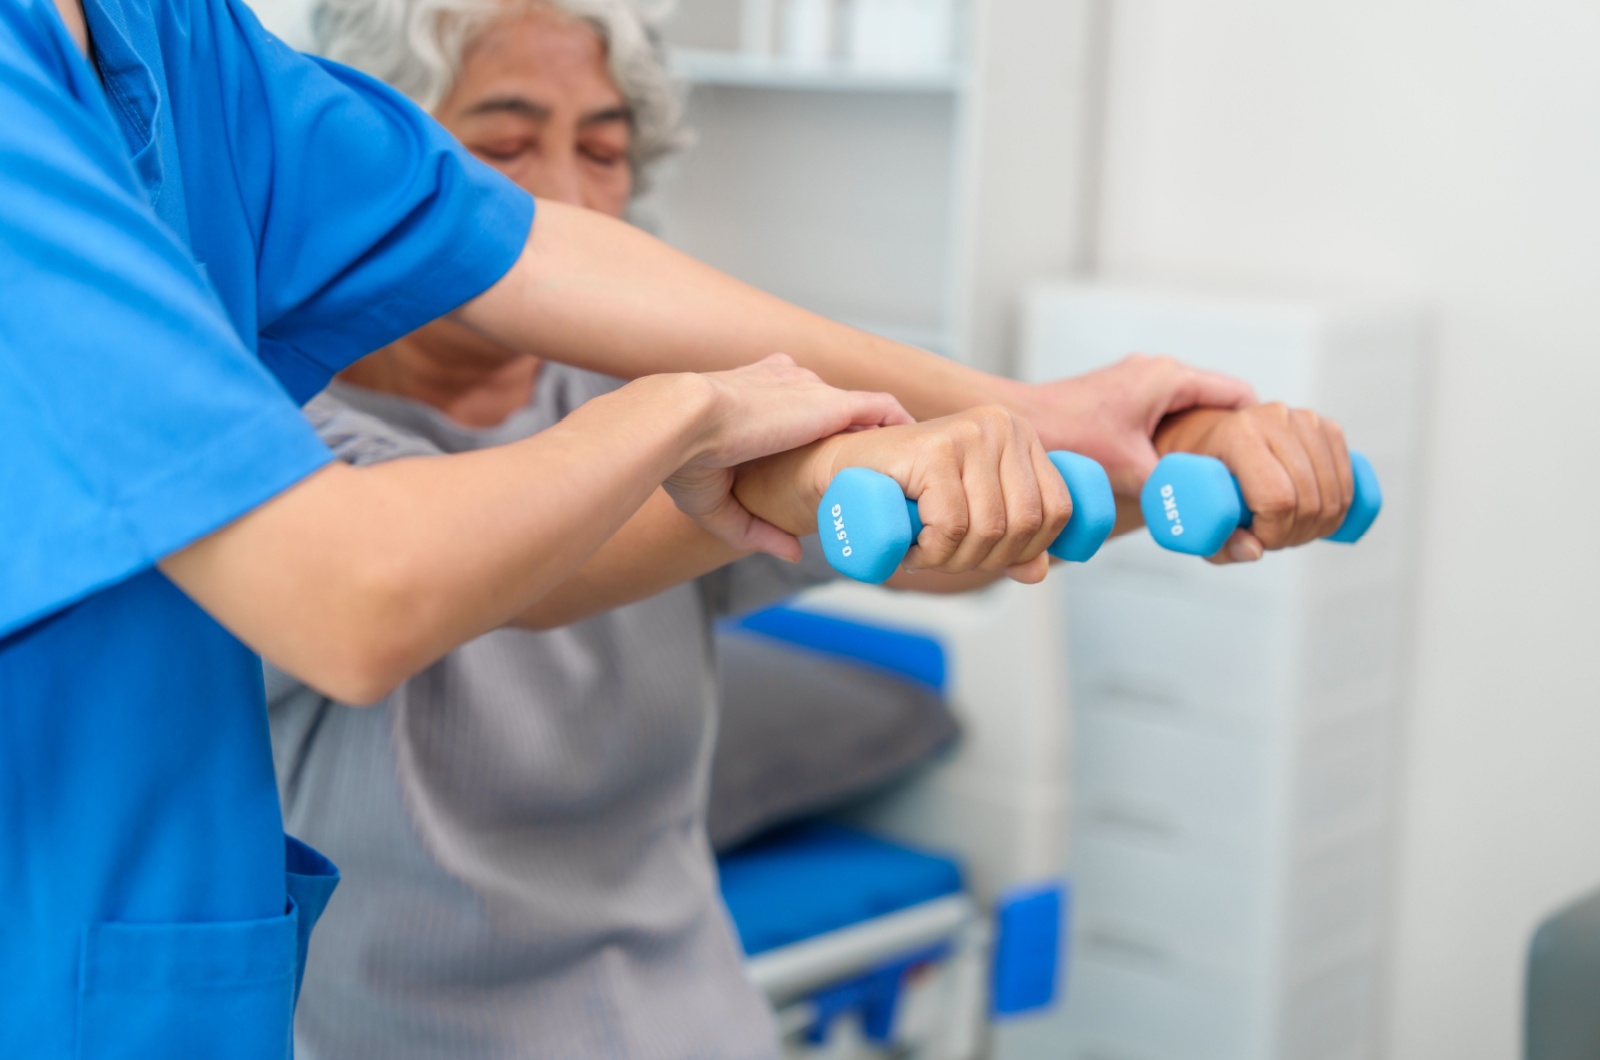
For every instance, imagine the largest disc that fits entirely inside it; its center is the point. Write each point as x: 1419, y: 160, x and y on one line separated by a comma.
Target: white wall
x: 289, y: 19
x: 1449, y: 148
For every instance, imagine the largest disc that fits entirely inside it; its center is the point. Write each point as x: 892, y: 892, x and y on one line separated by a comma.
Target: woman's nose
x: 556, y: 179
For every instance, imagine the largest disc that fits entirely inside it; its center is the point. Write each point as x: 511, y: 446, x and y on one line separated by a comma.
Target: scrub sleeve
x: 190, y: 241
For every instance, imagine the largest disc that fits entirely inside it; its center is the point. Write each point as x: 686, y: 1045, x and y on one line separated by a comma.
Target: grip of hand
x: 1192, y: 504
x: 867, y: 524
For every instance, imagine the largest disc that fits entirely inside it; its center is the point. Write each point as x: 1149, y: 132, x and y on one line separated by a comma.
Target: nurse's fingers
x: 775, y: 405
x: 706, y: 496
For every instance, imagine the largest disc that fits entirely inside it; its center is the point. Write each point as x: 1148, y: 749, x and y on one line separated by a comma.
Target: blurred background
x: 1401, y: 198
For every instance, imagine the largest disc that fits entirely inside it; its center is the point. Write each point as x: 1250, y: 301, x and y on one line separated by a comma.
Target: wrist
x: 1187, y: 431
x: 692, y: 402
x: 821, y: 464
x: 1052, y: 417
x: 1021, y: 398
x: 785, y: 489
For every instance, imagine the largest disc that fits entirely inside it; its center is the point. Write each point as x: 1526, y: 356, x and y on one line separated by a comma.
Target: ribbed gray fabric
x: 521, y: 827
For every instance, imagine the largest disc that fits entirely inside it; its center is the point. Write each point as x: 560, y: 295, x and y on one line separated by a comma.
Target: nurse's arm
x: 600, y: 294
x: 591, y: 291
x: 355, y: 578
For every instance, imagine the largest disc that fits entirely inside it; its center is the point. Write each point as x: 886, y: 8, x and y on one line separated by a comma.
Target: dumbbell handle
x: 1192, y: 503
x: 867, y: 525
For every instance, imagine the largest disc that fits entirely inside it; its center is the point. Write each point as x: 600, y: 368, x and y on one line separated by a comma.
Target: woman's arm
x: 658, y: 548
x: 357, y: 577
x: 1276, y: 451
x: 989, y: 506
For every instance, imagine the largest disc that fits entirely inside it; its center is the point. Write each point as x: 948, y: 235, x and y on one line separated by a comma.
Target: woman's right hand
x: 768, y: 407
x: 989, y: 498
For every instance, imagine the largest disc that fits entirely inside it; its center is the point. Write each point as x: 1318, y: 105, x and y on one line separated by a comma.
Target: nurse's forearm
x: 356, y: 578
x: 600, y: 294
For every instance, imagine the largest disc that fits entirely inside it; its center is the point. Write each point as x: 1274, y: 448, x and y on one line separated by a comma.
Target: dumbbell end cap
x: 1191, y: 504
x: 1094, y: 507
x: 863, y: 525
x: 1365, y: 507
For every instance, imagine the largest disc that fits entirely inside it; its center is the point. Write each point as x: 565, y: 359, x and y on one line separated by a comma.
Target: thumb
x: 1211, y: 390
x: 731, y: 523
x: 1032, y: 572
x: 1241, y: 547
x: 1137, y: 462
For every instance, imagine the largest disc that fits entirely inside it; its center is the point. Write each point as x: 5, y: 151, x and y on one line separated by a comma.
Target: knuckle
x: 943, y: 449
x: 953, y: 531
x: 973, y: 426
x: 988, y: 530
x: 1029, y: 520
x: 1059, y: 514
x: 1274, y: 503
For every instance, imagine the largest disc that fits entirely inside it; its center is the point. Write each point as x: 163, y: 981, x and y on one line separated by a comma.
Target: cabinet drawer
x: 1180, y: 780
x: 1169, y: 906
x: 1180, y: 662
x: 1122, y: 1013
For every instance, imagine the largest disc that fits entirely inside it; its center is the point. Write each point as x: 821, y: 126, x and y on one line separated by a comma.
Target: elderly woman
x: 522, y: 826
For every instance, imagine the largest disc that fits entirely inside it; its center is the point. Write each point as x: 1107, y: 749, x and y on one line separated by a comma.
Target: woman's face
x: 536, y: 101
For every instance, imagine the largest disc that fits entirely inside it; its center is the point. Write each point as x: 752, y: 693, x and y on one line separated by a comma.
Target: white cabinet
x: 1235, y: 729
x: 912, y: 200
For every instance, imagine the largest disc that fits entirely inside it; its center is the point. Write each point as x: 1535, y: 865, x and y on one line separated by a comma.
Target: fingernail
x: 1247, y: 551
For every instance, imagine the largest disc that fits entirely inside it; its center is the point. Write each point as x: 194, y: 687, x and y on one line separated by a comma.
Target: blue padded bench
x: 809, y: 879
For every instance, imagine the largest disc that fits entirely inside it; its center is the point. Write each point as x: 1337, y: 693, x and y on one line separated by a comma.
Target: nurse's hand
x: 765, y: 408
x: 1292, y: 466
x: 1112, y: 414
x: 989, y: 498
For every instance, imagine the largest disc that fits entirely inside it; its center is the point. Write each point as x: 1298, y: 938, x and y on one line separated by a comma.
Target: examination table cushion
x: 804, y: 730
x: 810, y: 879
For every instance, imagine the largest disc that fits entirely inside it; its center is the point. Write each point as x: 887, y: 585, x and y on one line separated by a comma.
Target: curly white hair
x: 417, y: 45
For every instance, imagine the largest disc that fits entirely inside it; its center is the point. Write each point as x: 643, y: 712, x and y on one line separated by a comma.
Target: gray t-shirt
x: 521, y: 827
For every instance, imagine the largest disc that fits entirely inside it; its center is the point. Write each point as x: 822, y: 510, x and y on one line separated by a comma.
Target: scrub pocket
x: 222, y: 991
x: 310, y: 880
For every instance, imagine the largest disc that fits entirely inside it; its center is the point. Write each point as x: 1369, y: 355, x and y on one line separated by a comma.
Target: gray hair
x: 417, y: 46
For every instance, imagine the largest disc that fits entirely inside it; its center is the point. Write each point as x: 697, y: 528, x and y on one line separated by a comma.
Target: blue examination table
x: 848, y: 932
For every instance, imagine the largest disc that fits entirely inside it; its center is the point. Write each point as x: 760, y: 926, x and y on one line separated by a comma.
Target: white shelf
x: 709, y: 67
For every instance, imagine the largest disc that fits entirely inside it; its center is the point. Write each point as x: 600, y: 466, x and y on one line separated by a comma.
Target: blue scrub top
x: 191, y: 243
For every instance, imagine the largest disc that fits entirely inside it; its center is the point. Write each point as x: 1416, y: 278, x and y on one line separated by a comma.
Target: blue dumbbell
x: 1192, y: 504
x: 868, y: 525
